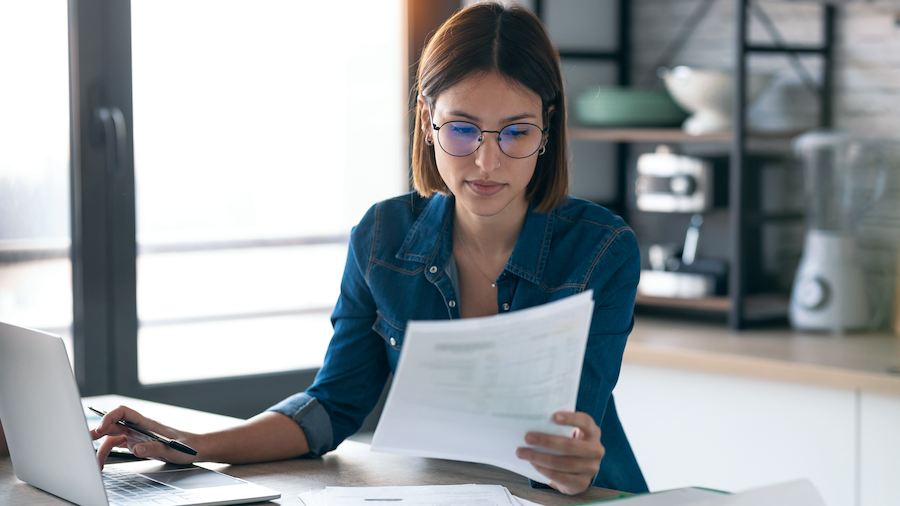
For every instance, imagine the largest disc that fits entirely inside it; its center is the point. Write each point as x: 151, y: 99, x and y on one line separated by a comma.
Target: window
x: 35, y: 269
x: 216, y: 154
x: 261, y: 136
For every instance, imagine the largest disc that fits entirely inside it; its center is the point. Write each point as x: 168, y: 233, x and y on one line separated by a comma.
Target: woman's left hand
x: 573, y: 471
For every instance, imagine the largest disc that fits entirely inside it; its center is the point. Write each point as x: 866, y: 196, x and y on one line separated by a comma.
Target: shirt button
x: 505, y: 306
x: 393, y: 342
x: 433, y: 269
x: 452, y: 303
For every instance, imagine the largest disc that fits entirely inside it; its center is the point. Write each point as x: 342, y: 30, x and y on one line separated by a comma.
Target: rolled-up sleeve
x: 312, y: 418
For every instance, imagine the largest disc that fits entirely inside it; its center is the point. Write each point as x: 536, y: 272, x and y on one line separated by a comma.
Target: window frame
x: 103, y: 226
x: 104, y: 248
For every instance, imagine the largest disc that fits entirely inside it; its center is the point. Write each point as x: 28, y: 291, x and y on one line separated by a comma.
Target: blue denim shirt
x: 399, y: 268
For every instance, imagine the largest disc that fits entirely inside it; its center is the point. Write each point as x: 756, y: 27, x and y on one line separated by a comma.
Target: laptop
x: 51, y: 448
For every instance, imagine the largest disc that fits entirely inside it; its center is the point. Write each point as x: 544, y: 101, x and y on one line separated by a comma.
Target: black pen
x: 171, y: 443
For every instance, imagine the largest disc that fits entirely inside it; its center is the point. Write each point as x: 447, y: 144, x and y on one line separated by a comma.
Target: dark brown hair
x: 509, y: 40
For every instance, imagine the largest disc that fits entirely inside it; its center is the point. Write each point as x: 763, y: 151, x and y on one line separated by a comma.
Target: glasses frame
x: 437, y: 129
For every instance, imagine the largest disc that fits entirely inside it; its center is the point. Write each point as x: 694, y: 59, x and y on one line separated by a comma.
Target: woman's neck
x: 490, y: 235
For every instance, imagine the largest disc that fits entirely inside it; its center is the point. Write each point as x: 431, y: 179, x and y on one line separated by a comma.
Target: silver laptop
x: 51, y: 448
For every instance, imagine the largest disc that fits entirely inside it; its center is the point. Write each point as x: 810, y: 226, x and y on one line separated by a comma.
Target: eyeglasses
x: 461, y: 138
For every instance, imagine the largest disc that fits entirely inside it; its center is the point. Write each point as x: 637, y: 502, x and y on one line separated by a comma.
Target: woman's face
x: 486, y: 183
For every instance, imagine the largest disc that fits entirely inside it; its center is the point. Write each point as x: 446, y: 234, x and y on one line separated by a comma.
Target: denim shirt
x: 398, y: 269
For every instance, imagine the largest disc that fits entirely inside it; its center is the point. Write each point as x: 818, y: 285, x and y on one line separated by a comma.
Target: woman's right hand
x: 139, y: 444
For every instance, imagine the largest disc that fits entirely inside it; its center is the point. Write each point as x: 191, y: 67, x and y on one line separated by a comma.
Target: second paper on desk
x: 470, y: 389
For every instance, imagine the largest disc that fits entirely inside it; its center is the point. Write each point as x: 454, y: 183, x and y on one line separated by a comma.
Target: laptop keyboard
x: 127, y: 489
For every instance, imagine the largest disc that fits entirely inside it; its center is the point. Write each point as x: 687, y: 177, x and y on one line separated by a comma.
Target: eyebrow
x: 504, y: 120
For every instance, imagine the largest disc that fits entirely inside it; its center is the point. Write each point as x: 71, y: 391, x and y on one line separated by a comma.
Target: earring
x: 429, y: 141
x: 542, y: 151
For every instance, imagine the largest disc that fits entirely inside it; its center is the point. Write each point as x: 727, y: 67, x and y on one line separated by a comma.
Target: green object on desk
x: 679, y: 496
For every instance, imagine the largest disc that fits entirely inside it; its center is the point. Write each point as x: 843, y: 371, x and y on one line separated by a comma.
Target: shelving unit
x: 745, y: 219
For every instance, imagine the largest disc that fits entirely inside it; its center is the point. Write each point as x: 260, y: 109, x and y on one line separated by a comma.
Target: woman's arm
x: 267, y: 436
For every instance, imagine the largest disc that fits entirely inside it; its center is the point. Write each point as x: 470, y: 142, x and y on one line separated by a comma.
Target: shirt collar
x: 430, y: 240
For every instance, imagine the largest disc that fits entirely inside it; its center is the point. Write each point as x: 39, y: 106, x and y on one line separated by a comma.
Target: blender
x: 829, y: 291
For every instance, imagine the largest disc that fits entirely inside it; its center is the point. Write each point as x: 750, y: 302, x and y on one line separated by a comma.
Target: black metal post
x: 826, y: 113
x: 624, y: 67
x: 736, y: 274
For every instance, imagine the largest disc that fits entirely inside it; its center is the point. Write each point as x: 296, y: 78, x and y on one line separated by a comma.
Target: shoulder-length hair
x: 509, y: 40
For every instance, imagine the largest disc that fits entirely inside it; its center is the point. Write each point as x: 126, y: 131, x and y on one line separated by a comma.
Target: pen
x: 171, y: 443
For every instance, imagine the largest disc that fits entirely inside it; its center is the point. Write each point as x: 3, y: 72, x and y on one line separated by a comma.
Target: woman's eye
x: 518, y: 132
x: 463, y: 130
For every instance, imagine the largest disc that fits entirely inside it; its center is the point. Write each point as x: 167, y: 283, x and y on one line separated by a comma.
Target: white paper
x: 794, y: 493
x: 434, y: 495
x: 470, y: 389
x: 678, y: 497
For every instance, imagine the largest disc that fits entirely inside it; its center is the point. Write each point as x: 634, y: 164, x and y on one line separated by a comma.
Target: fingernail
x: 530, y: 439
x: 520, y: 453
x: 558, y: 417
x: 140, y: 451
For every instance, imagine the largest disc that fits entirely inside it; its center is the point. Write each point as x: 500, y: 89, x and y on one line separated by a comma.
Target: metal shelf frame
x: 742, y: 213
x: 622, y: 58
x: 741, y: 209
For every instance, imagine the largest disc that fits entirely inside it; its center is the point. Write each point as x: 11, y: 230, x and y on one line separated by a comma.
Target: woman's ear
x: 550, y: 111
x: 424, y: 115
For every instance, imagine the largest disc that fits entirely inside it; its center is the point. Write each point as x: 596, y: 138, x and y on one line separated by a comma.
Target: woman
x: 489, y: 229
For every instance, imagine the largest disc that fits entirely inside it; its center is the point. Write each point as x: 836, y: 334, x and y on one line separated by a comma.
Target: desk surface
x: 351, y: 465
x: 856, y: 361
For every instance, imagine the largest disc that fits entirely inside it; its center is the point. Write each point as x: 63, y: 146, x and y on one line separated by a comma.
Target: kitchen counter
x: 856, y: 361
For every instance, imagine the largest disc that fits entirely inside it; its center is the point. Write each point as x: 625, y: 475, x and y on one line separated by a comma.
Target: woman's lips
x: 485, y: 188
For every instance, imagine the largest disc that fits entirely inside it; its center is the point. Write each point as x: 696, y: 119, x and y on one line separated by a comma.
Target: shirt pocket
x: 389, y: 330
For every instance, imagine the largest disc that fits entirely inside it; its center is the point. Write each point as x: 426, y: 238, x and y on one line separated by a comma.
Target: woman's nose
x: 488, y: 155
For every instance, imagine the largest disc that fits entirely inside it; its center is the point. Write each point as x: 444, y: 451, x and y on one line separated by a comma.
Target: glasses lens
x: 459, y: 138
x: 520, y: 140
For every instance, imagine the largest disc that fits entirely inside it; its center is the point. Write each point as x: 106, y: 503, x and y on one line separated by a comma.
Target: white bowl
x: 709, y: 94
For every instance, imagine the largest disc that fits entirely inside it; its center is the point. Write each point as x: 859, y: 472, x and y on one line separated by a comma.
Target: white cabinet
x: 732, y: 433
x: 879, y: 449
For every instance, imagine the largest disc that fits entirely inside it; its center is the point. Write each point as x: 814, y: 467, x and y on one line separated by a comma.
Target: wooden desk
x: 351, y: 465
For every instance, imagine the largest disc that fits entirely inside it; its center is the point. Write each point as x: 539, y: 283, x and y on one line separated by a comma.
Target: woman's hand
x: 574, y: 469
x: 137, y: 443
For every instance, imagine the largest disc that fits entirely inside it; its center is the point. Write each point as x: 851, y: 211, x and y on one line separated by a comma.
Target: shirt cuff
x: 312, y: 418
x: 537, y: 484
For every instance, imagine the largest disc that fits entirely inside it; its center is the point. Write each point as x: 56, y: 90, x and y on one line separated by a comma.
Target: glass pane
x: 35, y: 270
x: 251, y: 168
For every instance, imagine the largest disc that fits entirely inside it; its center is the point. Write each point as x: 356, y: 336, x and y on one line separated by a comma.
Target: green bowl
x: 610, y: 106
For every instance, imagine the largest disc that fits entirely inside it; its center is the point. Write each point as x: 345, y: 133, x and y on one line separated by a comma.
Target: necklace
x: 493, y: 285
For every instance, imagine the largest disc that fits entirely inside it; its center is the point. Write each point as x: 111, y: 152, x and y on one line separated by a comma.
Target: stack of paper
x: 470, y: 389
x: 433, y: 495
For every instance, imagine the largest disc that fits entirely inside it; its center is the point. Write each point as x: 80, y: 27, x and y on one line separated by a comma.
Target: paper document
x: 794, y: 493
x: 436, y: 495
x: 470, y: 389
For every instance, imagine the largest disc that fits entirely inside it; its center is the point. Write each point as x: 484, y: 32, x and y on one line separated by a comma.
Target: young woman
x: 489, y: 229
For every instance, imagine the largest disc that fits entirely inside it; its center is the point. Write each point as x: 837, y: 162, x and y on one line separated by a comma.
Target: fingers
x: 563, y: 463
x: 159, y: 451
x: 106, y: 446
x: 569, y: 446
x: 579, y: 420
x: 566, y: 483
x: 572, y: 462
x: 109, y: 426
x: 139, y: 444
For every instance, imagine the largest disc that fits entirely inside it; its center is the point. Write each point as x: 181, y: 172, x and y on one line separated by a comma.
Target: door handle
x: 112, y: 122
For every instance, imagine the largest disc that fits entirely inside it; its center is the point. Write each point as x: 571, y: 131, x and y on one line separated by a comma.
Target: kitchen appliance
x: 709, y: 95
x: 829, y: 291
x: 670, y: 183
